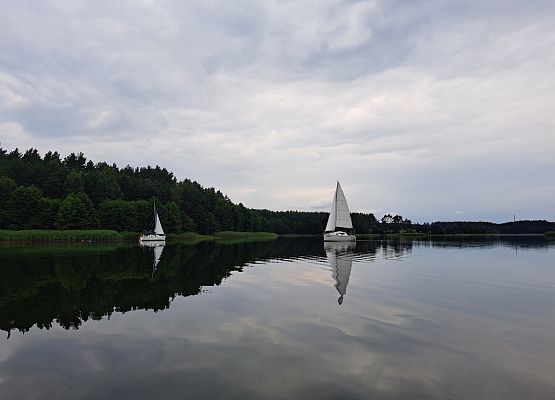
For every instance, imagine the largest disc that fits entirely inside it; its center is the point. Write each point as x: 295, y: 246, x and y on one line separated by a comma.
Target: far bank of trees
x: 51, y: 192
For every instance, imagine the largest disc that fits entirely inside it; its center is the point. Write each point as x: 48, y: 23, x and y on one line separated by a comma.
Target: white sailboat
x: 339, y: 227
x: 157, y: 235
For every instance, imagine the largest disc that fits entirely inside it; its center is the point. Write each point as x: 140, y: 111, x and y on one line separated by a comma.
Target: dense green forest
x: 51, y: 192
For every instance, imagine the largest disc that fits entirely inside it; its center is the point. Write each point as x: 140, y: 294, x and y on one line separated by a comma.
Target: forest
x: 51, y: 192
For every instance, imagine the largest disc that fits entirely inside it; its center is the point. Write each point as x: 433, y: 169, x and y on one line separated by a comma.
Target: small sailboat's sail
x: 157, y: 224
x: 340, y: 216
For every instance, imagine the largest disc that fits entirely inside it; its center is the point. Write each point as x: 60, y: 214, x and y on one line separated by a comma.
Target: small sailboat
x: 339, y: 227
x: 157, y: 235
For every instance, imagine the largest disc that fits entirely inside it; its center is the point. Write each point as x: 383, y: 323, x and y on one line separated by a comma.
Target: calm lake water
x: 281, y: 319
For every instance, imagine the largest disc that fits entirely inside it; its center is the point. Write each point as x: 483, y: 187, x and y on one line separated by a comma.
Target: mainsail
x: 157, y: 224
x: 340, y: 217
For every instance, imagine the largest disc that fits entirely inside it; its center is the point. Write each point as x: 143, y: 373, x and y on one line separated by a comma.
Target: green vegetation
x: 187, y: 236
x: 101, y: 236
x: 50, y: 193
x: 245, y: 235
x: 368, y: 236
x: 550, y: 234
x: 43, y: 235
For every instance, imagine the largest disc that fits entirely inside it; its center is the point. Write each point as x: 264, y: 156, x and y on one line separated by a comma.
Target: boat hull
x: 153, y: 238
x: 339, y: 237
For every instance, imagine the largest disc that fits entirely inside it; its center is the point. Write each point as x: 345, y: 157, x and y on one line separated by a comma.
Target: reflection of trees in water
x: 394, y: 249
x: 517, y: 242
x: 69, y: 286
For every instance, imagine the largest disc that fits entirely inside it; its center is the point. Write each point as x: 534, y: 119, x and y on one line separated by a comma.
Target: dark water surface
x: 282, y: 319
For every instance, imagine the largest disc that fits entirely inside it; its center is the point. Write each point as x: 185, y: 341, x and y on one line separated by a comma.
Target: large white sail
x: 157, y: 224
x: 330, y: 226
x: 340, y: 217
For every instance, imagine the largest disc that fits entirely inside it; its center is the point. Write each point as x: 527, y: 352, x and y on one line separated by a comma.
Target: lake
x: 280, y: 319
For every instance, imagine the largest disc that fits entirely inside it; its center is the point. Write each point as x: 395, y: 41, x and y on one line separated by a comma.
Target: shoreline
x: 111, y: 236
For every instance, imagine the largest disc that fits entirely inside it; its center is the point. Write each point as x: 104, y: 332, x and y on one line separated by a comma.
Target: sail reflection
x: 157, y: 250
x: 340, y: 259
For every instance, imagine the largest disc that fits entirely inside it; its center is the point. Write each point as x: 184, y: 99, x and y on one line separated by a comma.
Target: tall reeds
x: 48, y: 236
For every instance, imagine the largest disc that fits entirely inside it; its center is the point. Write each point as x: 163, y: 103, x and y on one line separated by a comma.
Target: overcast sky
x: 437, y: 110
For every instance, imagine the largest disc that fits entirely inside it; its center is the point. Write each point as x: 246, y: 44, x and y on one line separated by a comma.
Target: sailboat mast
x: 335, y: 201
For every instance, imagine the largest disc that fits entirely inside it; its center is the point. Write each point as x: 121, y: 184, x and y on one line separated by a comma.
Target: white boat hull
x: 152, y: 238
x: 339, y: 236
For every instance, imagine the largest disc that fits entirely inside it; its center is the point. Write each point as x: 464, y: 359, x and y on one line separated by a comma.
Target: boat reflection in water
x: 157, y: 248
x: 340, y: 259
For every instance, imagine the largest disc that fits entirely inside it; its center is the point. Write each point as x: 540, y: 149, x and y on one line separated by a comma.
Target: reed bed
x: 187, y: 236
x: 48, y: 236
x: 104, y: 235
x: 245, y: 235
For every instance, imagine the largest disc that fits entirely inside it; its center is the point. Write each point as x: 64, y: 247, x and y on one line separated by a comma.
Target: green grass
x: 188, y: 236
x: 245, y: 235
x: 100, y: 235
x: 550, y: 234
x: 368, y: 235
x: 46, y: 236
x: 298, y: 235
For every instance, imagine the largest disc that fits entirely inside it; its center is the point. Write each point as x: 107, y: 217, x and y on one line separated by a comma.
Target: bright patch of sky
x: 435, y: 110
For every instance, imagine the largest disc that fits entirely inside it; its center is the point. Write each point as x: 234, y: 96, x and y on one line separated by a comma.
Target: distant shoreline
x: 419, y: 235
x: 106, y: 236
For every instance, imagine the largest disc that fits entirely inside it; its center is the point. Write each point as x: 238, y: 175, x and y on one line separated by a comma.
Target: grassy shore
x: 186, y: 236
x: 45, y: 236
x: 245, y: 235
x: 106, y: 236
x: 102, y: 236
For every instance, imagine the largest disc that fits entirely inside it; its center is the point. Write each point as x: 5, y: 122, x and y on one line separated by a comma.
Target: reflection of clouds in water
x: 285, y: 360
x: 304, y: 277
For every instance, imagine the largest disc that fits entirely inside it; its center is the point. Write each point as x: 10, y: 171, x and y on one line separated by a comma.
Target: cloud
x: 414, y: 107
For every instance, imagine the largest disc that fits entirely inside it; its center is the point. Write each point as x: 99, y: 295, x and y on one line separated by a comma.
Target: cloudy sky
x: 437, y: 110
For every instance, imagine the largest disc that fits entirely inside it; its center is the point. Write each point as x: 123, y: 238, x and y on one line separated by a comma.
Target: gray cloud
x: 434, y: 110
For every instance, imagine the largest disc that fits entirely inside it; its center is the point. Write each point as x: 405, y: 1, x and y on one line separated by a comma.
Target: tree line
x: 51, y: 192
